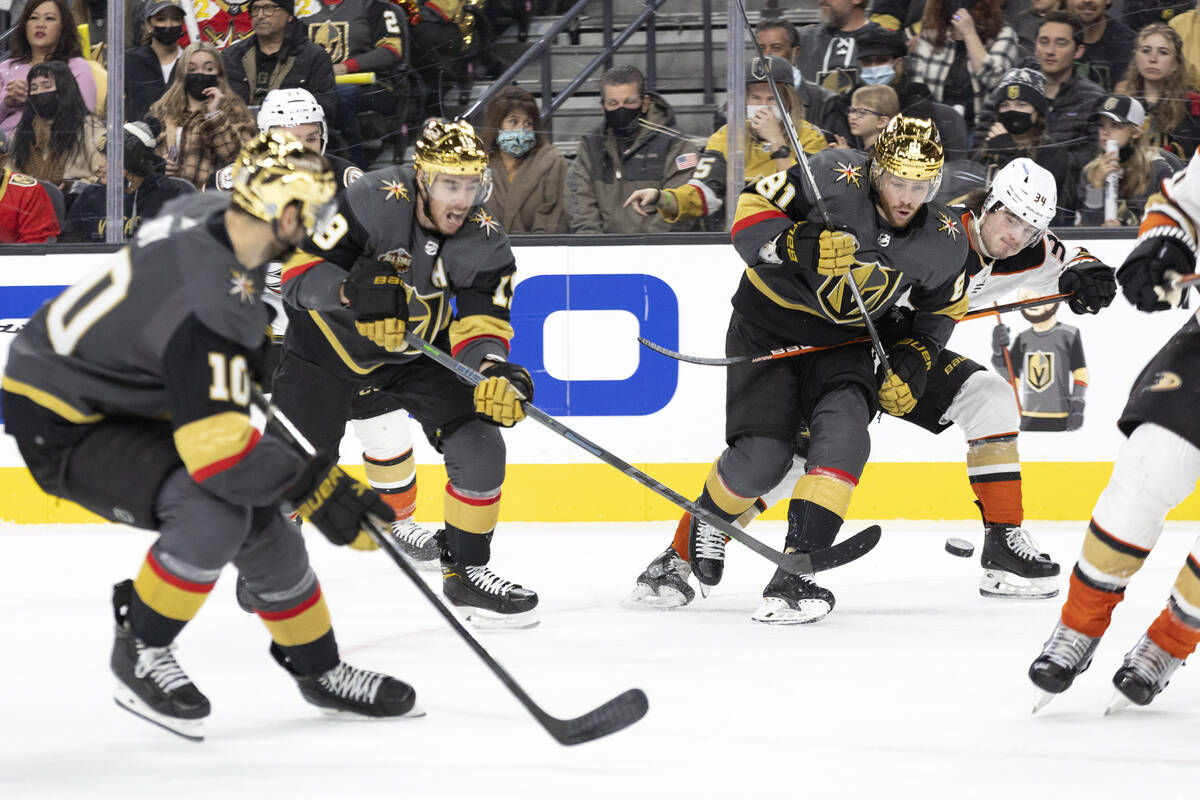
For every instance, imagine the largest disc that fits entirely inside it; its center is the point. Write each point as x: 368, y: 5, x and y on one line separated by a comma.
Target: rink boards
x: 577, y: 313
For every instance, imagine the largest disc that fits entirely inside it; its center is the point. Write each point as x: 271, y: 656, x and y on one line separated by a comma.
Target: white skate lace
x: 409, y: 532
x: 1151, y: 662
x: 710, y: 542
x: 351, y: 683
x: 1066, y: 647
x: 488, y: 581
x: 1022, y: 544
x: 160, y: 665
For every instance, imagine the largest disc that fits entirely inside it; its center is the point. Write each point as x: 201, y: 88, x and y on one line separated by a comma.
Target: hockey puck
x: 960, y: 547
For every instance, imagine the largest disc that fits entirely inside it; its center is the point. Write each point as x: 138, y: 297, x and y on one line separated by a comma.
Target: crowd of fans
x: 1086, y: 93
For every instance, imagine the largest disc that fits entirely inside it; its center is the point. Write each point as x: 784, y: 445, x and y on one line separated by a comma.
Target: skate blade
x: 1118, y: 702
x: 705, y: 589
x: 190, y: 729
x: 1007, y: 586
x: 482, y: 620
x: 1043, y: 699
x: 643, y: 597
x: 774, y: 611
x: 352, y: 716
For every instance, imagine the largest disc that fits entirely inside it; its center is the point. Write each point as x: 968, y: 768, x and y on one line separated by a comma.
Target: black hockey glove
x: 379, y: 302
x: 1001, y: 339
x: 1074, y: 413
x: 499, y: 396
x: 902, y: 387
x: 1091, y: 288
x: 1143, y: 276
x: 895, y: 324
x: 337, y: 504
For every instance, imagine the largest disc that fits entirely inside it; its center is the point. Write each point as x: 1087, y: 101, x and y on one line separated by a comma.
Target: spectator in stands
x: 1157, y: 78
x: 437, y: 53
x: 278, y: 55
x: 1107, y: 42
x: 528, y: 172
x: 767, y: 151
x: 881, y: 63
x: 1020, y: 108
x: 962, y: 54
x: 1187, y: 25
x: 362, y: 36
x: 1138, y: 14
x: 205, y: 122
x: 56, y: 138
x: 623, y: 155
x: 1140, y: 166
x: 1025, y: 19
x: 27, y: 214
x: 823, y: 108
x: 147, y: 188
x: 150, y: 68
x: 827, y: 53
x: 871, y: 108
x: 45, y: 32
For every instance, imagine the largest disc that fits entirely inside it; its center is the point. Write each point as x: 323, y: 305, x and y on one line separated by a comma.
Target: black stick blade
x: 618, y: 713
x: 853, y: 548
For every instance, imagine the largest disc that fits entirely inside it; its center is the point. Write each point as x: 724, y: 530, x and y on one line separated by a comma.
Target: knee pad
x: 384, y: 436
x: 840, y: 438
x: 752, y: 465
x: 1155, y: 471
x: 475, y: 456
x: 984, y: 406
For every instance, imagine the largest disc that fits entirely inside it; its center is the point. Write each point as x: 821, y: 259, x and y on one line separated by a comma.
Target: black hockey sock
x: 464, y: 547
x: 810, y: 526
x: 316, y: 657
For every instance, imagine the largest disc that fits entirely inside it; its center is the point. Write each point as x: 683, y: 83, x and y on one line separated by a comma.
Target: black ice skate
x: 706, y: 552
x: 150, y: 683
x: 1013, y: 566
x: 1065, y: 655
x: 352, y: 691
x: 1146, y: 671
x: 489, y: 601
x: 664, y: 584
x: 418, y: 543
x: 793, y: 600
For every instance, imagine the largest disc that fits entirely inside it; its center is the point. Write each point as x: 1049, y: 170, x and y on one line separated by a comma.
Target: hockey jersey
x: 366, y: 35
x: 221, y: 23
x: 1052, y: 369
x: 926, y: 258
x: 168, y: 327
x: 376, y: 219
x: 26, y: 213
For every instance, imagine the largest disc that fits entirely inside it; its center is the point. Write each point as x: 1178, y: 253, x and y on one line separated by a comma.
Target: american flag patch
x: 686, y: 161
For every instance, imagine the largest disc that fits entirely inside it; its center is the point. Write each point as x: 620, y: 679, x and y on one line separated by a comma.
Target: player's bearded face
x: 1004, y: 234
x: 900, y: 198
x: 450, y: 200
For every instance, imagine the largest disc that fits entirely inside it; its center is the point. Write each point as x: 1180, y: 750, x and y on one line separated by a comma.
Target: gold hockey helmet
x: 450, y: 147
x: 274, y: 170
x: 910, y: 148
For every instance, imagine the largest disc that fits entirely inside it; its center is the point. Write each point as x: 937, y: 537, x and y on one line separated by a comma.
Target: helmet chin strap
x: 978, y: 223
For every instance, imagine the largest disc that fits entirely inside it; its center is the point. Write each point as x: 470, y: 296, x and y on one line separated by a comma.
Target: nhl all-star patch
x: 848, y: 174
x: 399, y: 258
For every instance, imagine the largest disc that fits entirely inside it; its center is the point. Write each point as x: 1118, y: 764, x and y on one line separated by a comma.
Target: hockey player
x: 1011, y: 246
x: 1155, y: 470
x: 129, y: 394
x: 404, y: 244
x: 387, y: 443
x: 794, y: 290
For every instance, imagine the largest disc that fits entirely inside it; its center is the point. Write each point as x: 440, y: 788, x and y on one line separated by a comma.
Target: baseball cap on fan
x: 781, y: 71
x: 155, y: 6
x: 1120, y: 108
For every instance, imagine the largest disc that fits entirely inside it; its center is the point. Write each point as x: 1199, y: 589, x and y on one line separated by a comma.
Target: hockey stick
x: 619, y: 712
x: 797, y: 350
x: 1012, y: 378
x: 796, y: 563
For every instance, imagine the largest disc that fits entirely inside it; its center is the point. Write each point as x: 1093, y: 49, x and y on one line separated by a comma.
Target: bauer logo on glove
x: 499, y: 396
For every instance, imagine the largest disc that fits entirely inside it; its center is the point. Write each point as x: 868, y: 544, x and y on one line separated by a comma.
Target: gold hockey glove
x: 379, y: 302
x: 499, y: 397
x: 904, y: 385
x: 835, y: 253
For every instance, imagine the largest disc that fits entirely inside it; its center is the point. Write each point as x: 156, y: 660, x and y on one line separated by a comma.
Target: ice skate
x: 706, y: 552
x: 418, y: 543
x: 1065, y: 655
x: 793, y: 600
x: 487, y: 600
x: 664, y: 583
x: 150, y: 683
x: 1146, y: 671
x: 1014, y: 567
x: 347, y: 690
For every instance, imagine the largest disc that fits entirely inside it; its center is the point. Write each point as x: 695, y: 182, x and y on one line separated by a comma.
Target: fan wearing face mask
x: 1019, y: 131
x: 149, y: 69
x: 56, y: 138
x: 528, y: 173
x: 205, y: 122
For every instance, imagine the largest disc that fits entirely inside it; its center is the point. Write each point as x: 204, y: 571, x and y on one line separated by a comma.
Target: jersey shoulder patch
x: 21, y: 179
x: 224, y: 178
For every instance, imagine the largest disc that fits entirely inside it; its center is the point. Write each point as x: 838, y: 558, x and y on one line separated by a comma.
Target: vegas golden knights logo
x: 333, y: 36
x: 1039, y: 370
x: 875, y: 283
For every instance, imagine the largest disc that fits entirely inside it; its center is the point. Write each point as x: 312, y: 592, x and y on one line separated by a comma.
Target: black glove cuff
x: 517, y: 376
x: 798, y: 244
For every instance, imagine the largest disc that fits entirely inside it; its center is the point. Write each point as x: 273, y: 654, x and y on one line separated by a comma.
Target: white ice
x: 913, y: 687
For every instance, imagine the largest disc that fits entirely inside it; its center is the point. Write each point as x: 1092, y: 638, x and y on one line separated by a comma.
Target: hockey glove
x: 1001, y: 339
x: 379, y: 302
x: 900, y: 389
x: 338, y: 505
x: 807, y: 244
x: 499, y: 396
x: 1091, y: 288
x: 1144, y: 276
x: 1074, y: 413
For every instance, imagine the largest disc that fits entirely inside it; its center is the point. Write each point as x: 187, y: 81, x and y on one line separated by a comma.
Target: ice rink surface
x: 914, y: 687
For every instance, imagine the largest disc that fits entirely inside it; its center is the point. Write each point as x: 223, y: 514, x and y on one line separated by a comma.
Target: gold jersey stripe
x: 332, y: 338
x: 209, y: 440
x: 758, y: 283
x: 478, y: 325
x: 49, y: 401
